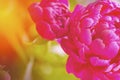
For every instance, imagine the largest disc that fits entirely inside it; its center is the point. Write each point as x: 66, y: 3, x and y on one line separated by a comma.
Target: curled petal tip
x: 35, y: 11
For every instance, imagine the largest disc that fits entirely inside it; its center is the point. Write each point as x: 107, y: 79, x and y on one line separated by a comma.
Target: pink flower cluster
x: 51, y: 17
x: 89, y: 35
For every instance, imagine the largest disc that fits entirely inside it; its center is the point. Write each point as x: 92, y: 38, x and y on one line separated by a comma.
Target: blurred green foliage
x: 72, y: 4
x: 47, y: 65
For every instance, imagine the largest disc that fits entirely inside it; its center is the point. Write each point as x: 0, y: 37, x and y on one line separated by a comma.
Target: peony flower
x: 50, y: 17
x: 93, y: 42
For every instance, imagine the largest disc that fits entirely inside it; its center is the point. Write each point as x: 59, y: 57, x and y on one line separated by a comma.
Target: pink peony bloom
x: 93, y: 44
x: 50, y: 17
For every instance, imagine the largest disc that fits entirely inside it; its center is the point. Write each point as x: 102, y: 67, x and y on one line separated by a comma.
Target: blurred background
x: 23, y: 53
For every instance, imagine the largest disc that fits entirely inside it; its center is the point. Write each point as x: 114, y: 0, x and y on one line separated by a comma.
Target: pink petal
x: 81, y: 71
x: 106, y: 52
x: 108, y: 36
x: 87, y: 22
x: 100, y: 76
x: 114, y: 76
x: 110, y: 67
x: 111, y: 50
x: 36, y: 12
x: 85, y: 36
x: 45, y: 31
x: 95, y: 61
x: 64, y: 1
x: 86, y: 74
x: 67, y: 46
